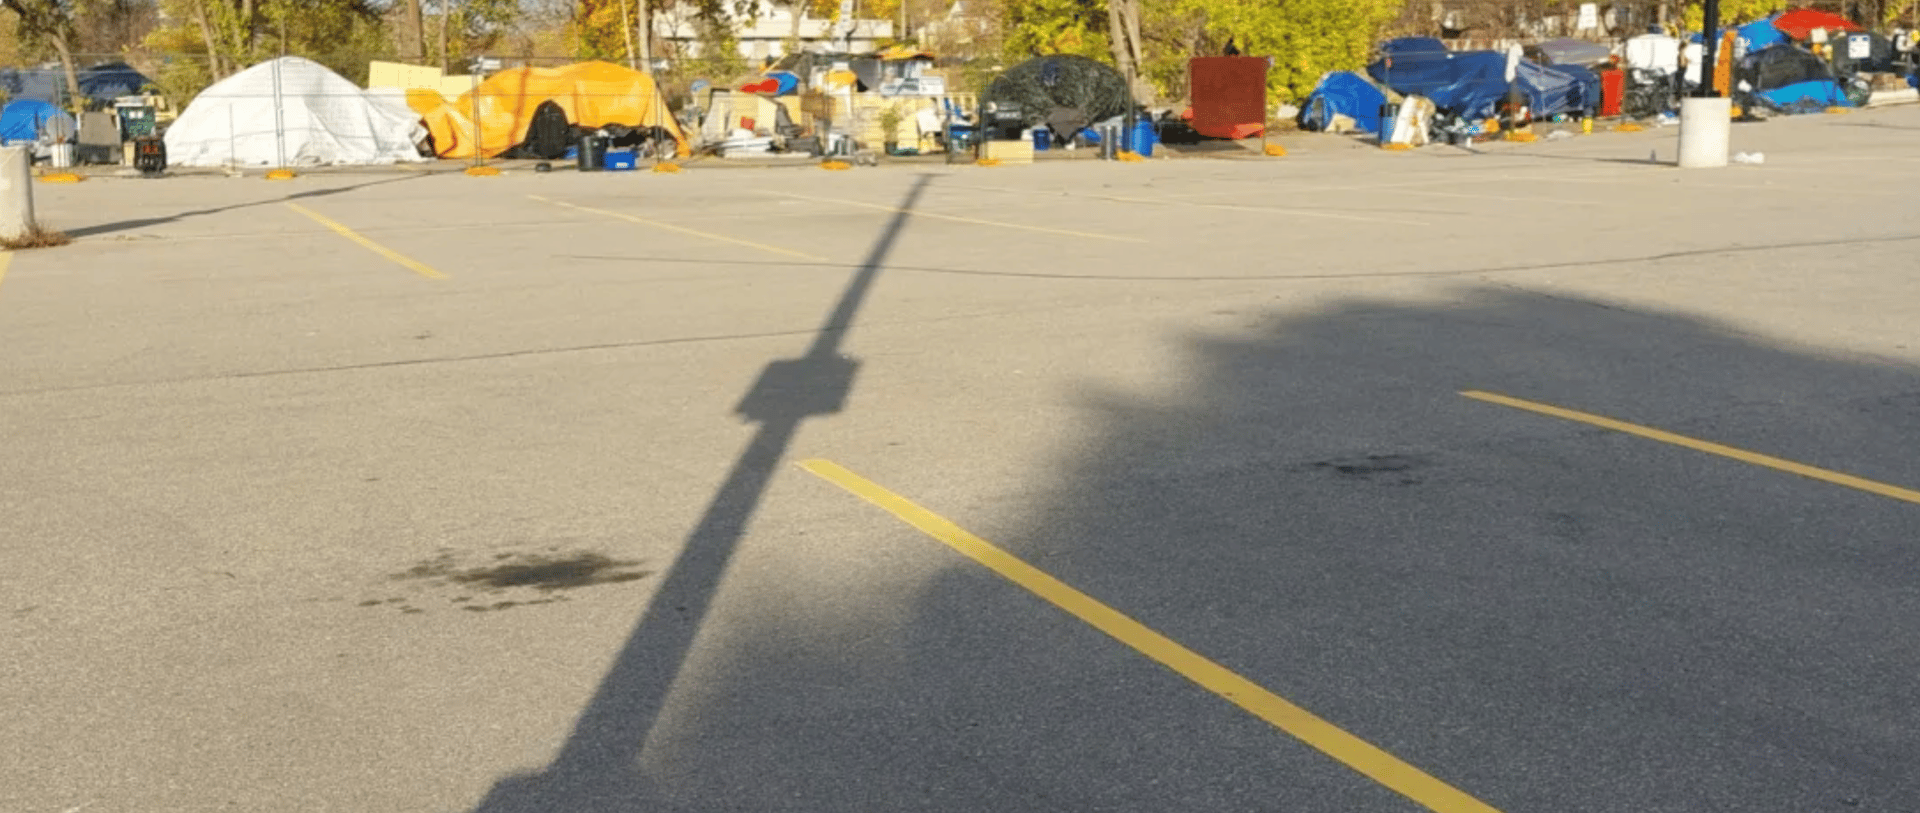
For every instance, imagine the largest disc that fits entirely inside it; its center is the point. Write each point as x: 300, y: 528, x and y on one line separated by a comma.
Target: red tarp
x: 1800, y: 23
x: 1229, y: 95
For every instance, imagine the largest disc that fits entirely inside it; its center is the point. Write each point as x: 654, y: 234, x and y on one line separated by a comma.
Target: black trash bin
x: 150, y: 155
x: 592, y: 152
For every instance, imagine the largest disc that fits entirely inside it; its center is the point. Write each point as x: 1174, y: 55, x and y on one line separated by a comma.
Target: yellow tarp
x: 593, y: 94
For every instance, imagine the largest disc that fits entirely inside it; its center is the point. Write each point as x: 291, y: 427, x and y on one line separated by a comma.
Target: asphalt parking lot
x: 1541, y: 478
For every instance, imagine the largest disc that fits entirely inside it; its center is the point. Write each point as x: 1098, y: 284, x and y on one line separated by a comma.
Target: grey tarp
x: 1566, y: 51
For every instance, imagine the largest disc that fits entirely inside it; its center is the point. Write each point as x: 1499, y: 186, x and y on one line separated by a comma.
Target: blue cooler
x: 620, y: 160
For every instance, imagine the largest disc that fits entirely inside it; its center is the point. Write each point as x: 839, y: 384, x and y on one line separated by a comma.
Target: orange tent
x: 593, y: 94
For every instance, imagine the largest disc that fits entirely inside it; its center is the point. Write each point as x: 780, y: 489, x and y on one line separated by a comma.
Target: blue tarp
x: 1789, y: 78
x: 23, y: 119
x: 1587, y: 87
x: 1757, y: 35
x: 1414, y: 65
x: 1343, y: 93
x: 1817, y: 94
x: 1472, y: 83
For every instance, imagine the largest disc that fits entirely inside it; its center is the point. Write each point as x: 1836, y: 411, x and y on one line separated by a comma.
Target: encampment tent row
x: 291, y: 112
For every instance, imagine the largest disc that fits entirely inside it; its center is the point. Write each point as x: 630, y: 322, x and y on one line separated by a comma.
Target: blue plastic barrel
x: 1144, y: 137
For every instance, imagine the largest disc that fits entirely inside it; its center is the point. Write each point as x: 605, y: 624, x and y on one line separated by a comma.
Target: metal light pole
x: 1709, y: 50
x: 279, y: 120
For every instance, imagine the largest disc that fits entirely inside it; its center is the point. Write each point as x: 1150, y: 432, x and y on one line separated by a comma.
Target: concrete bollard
x: 16, y: 193
x: 1706, y: 125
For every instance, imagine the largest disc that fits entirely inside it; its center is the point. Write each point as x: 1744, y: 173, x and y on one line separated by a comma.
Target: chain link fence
x: 291, y: 112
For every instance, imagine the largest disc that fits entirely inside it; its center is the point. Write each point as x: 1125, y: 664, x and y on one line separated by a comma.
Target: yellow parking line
x: 1351, y: 751
x: 683, y: 230
x: 406, y: 262
x: 972, y: 220
x: 6, y: 261
x: 1742, y: 455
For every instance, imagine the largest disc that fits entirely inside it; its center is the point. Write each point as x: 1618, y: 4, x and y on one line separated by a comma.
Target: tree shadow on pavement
x: 1545, y: 614
x: 596, y: 769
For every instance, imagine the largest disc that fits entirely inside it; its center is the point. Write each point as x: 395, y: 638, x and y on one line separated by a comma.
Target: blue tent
x: 1587, y: 87
x: 1343, y: 93
x: 1788, y: 78
x: 101, y: 83
x: 1757, y: 35
x: 112, y: 80
x: 25, y: 119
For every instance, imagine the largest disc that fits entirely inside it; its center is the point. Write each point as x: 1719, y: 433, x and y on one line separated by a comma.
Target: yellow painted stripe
x: 406, y: 262
x: 684, y: 230
x: 1351, y: 751
x: 1742, y: 455
x: 972, y: 220
x: 6, y: 261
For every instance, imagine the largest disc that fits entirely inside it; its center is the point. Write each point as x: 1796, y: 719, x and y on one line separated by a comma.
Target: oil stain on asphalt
x: 509, y: 580
x: 1394, y: 469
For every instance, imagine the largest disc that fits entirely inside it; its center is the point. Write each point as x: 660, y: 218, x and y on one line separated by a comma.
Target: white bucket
x: 61, y: 156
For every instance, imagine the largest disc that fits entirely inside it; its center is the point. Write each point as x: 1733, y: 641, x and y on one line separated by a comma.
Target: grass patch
x: 36, y: 236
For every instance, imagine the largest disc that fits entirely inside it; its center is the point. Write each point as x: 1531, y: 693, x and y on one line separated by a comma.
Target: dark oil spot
x: 372, y: 602
x: 411, y: 610
x: 545, y: 572
x: 1367, y: 467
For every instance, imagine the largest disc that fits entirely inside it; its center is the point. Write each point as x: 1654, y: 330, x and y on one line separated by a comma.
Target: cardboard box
x: 1010, y: 152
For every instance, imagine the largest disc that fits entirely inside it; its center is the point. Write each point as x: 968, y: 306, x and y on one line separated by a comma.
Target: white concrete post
x: 16, y: 192
x: 1706, y: 123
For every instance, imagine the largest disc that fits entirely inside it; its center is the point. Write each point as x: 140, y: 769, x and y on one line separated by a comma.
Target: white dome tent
x: 291, y: 112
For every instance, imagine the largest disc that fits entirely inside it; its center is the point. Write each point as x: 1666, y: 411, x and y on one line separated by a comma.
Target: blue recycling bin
x: 1042, y: 138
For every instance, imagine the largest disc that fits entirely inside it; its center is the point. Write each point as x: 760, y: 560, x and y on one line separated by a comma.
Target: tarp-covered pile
x: 591, y: 94
x: 290, y: 112
x: 1785, y: 78
x: 1038, y: 89
x: 1471, y: 84
x: 1565, y: 51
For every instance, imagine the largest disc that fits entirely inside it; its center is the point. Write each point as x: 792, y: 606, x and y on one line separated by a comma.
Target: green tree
x: 604, y: 29
x: 50, y: 22
x: 207, y: 40
x: 1732, y: 12
x: 1305, y: 38
x: 1040, y: 27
